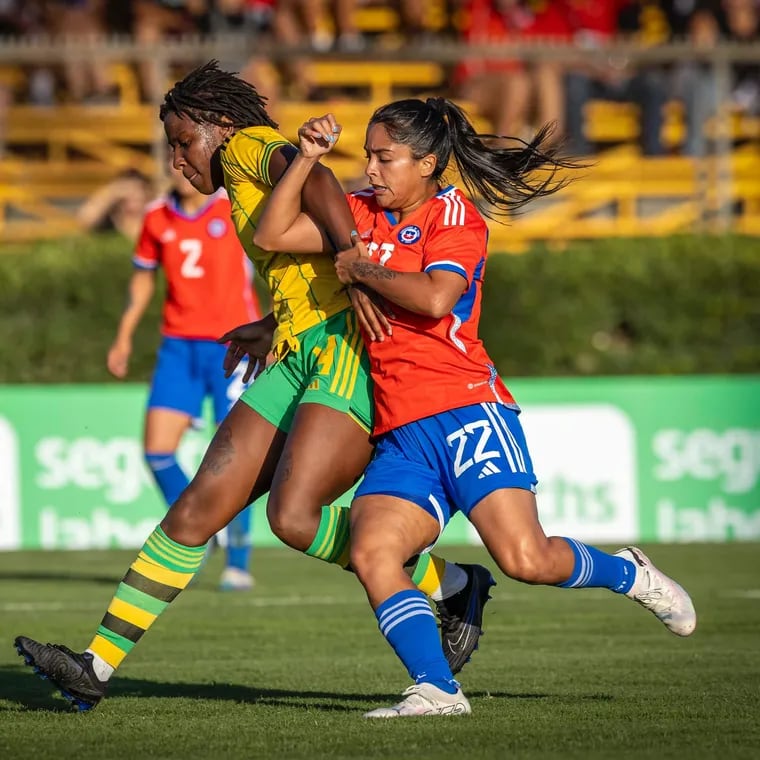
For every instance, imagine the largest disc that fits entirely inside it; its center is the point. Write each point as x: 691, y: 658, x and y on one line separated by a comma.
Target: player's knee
x: 191, y: 519
x: 367, y: 559
x: 281, y: 524
x: 293, y: 522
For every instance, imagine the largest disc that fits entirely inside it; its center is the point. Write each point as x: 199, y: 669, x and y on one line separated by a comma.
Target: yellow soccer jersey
x: 305, y: 290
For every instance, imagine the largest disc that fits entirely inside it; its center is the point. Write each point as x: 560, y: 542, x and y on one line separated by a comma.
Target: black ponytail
x: 506, y: 178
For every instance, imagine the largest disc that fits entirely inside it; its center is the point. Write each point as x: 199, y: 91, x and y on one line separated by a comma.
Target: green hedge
x: 60, y: 303
x: 679, y: 305
x: 663, y: 306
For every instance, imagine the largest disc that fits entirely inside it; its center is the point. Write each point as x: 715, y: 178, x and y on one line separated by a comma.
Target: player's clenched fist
x: 318, y: 135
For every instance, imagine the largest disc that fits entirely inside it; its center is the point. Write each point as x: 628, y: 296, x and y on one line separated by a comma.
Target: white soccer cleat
x: 659, y: 594
x: 234, y: 579
x: 424, y: 699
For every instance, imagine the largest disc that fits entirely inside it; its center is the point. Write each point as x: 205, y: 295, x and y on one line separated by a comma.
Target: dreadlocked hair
x: 506, y: 178
x: 208, y: 95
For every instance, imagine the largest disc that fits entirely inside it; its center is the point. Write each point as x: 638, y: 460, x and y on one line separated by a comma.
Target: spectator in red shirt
x: 513, y: 93
x: 595, y: 24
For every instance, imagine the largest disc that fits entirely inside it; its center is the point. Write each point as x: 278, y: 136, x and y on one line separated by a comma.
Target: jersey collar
x: 392, y: 219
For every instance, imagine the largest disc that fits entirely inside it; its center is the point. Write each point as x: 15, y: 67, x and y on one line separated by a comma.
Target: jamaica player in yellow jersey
x: 300, y: 432
x: 305, y: 291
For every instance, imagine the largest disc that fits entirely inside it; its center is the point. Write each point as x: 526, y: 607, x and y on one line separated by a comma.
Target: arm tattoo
x: 366, y: 269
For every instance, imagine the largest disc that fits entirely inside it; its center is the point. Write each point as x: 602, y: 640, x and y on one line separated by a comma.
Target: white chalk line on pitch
x: 752, y: 593
x: 290, y: 601
x: 225, y: 601
x: 218, y: 600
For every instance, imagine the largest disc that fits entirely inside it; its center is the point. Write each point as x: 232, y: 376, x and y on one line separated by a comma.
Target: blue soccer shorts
x: 188, y: 370
x: 452, y: 460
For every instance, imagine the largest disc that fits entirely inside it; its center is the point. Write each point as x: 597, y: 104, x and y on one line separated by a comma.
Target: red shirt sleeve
x: 147, y: 253
x: 459, y: 248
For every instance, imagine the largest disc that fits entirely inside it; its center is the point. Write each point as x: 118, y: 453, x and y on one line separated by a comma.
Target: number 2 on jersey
x: 192, y: 250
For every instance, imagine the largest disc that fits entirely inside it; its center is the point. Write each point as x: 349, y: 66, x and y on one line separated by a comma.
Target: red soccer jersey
x: 208, y: 275
x: 429, y: 365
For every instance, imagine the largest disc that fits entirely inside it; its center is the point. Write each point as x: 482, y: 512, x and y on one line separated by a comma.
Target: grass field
x: 287, y: 670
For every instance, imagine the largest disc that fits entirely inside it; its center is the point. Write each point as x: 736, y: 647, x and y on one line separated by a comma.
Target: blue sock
x: 597, y: 569
x: 239, y: 541
x: 408, y: 623
x: 169, y: 476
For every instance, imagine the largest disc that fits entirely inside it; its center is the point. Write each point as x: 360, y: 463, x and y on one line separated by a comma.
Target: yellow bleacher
x: 103, y: 133
x: 624, y: 194
x: 57, y: 156
x: 63, y: 153
x: 379, y: 81
x: 383, y: 18
x: 612, y: 122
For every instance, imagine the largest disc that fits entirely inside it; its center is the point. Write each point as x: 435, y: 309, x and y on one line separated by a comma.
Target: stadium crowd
x: 513, y: 95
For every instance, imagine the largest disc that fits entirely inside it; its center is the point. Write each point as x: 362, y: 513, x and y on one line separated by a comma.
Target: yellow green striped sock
x: 331, y: 543
x: 428, y: 573
x: 162, y: 569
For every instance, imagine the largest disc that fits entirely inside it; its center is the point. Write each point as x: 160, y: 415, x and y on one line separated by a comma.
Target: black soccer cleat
x: 69, y: 671
x: 461, y: 616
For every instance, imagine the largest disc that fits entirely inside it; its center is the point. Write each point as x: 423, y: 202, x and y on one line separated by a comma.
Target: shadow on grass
x: 111, y: 580
x: 25, y: 692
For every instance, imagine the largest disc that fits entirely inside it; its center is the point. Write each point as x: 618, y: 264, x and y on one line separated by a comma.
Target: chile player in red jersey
x: 208, y: 291
x: 448, y: 432
x: 300, y: 432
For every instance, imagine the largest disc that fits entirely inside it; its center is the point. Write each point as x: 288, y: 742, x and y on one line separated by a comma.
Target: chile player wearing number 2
x: 208, y: 291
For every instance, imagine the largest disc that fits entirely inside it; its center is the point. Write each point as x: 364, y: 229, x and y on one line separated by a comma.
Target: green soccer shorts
x: 330, y: 368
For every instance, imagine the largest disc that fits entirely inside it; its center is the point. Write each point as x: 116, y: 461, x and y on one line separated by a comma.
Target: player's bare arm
x: 289, y: 229
x: 432, y: 293
x: 142, y: 285
x: 284, y: 225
